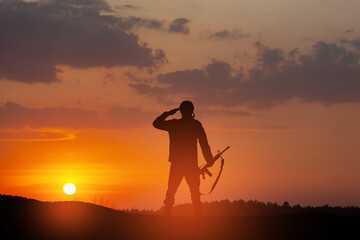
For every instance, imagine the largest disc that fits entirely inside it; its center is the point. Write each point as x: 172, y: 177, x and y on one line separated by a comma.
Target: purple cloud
x: 179, y: 25
x: 38, y: 36
x: 329, y: 74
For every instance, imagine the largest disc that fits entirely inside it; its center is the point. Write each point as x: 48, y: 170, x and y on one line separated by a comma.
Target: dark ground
x: 30, y: 219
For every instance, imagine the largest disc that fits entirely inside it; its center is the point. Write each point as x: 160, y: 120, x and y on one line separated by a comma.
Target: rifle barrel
x: 225, y: 150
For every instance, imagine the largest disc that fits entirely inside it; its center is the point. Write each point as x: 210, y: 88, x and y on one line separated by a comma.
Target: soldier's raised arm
x: 161, y: 123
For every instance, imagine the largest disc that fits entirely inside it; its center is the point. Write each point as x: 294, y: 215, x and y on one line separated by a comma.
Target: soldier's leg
x: 175, y: 178
x: 192, y: 178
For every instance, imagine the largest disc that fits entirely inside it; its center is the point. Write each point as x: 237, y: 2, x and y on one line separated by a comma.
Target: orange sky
x: 78, y: 99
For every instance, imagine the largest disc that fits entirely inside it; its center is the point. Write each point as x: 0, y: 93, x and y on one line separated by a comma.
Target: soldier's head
x: 187, y: 109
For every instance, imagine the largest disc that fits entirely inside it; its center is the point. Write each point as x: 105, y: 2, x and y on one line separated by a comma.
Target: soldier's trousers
x: 190, y: 172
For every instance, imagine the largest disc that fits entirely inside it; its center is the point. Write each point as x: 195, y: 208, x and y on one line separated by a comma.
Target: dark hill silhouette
x: 23, y: 218
x: 251, y: 208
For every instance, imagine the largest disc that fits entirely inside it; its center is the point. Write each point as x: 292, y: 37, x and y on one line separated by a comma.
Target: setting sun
x: 69, y: 188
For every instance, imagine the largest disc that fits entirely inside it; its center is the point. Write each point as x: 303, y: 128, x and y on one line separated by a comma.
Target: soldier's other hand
x: 172, y: 112
x: 210, y: 163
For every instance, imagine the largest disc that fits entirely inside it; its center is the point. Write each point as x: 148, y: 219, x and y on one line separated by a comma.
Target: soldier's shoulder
x: 197, y: 122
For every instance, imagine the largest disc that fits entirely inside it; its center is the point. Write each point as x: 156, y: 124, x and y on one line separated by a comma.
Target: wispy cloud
x: 226, y: 34
x: 51, y: 119
x: 128, y: 7
x: 28, y: 134
x: 258, y: 128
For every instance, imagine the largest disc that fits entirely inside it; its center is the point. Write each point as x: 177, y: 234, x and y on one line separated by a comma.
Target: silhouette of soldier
x: 184, y: 134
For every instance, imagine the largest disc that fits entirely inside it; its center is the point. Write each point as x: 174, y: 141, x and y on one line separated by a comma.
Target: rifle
x: 204, y: 169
